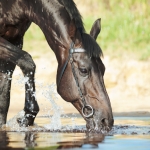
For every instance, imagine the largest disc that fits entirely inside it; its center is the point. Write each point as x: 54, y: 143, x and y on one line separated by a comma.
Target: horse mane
x: 90, y: 45
x: 74, y: 13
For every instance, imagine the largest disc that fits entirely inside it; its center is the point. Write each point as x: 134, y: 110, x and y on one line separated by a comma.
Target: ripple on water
x: 12, y: 125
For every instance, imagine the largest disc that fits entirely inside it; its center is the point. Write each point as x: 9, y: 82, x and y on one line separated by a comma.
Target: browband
x: 77, y: 50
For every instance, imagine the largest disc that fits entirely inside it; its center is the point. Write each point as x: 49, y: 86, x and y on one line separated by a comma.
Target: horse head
x: 80, y: 79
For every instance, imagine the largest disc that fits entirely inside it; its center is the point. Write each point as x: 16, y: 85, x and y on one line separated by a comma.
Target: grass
x: 35, y: 42
x: 125, y: 26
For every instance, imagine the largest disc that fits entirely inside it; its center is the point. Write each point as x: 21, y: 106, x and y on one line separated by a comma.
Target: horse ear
x: 72, y: 29
x: 96, y: 29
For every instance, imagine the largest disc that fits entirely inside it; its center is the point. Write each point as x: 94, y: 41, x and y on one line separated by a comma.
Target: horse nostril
x: 105, y: 122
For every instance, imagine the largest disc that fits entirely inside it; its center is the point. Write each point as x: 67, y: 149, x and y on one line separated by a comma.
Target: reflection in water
x: 30, y: 139
x: 4, y: 140
x: 37, y: 137
x: 51, y: 140
x: 10, y: 140
x: 91, y: 140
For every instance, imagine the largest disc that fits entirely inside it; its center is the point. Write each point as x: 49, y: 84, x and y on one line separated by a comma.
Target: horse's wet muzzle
x: 99, y: 125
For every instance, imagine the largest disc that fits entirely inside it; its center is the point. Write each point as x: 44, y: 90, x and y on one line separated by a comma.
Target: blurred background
x: 125, y: 41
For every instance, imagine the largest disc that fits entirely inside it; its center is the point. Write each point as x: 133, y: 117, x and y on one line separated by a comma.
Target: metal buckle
x: 77, y: 50
x: 88, y: 107
x: 71, y: 51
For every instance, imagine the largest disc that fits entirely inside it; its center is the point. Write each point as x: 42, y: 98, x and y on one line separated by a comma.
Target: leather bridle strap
x: 70, y: 57
x: 71, y: 51
x: 63, y: 70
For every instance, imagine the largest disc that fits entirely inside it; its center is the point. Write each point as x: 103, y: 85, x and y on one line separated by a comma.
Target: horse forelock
x: 91, y: 46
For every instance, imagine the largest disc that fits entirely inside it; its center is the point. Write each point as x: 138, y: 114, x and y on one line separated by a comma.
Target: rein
x: 70, y: 58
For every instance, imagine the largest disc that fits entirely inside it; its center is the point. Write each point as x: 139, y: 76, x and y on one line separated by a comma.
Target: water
x: 57, y: 131
x: 45, y: 141
x: 128, y: 133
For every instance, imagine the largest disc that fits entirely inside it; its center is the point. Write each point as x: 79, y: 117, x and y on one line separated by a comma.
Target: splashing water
x: 51, y: 95
x: 12, y: 123
x: 55, y: 112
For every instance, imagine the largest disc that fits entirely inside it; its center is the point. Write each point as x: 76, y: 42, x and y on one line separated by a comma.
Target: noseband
x: 70, y: 57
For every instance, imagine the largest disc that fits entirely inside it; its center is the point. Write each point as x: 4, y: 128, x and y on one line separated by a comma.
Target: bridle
x: 70, y: 58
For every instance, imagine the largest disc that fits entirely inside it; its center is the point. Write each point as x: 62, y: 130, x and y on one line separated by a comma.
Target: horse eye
x: 83, y: 71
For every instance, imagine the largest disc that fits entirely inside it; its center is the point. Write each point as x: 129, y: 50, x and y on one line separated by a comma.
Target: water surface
x: 128, y: 133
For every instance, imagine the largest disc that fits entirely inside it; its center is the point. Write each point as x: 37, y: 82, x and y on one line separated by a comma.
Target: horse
x: 80, y: 68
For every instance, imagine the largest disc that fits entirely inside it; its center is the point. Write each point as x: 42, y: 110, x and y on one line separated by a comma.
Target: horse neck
x: 53, y: 19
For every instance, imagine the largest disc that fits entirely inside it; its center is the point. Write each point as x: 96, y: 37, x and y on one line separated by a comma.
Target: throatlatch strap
x: 63, y: 69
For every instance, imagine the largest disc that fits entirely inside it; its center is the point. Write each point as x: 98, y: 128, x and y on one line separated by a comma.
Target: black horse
x: 80, y: 70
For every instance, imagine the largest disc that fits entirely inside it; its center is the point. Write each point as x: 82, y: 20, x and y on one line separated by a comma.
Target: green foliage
x: 34, y: 33
x: 125, y: 26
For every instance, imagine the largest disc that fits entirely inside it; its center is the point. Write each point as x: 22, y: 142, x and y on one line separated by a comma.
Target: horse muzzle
x: 98, y: 123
